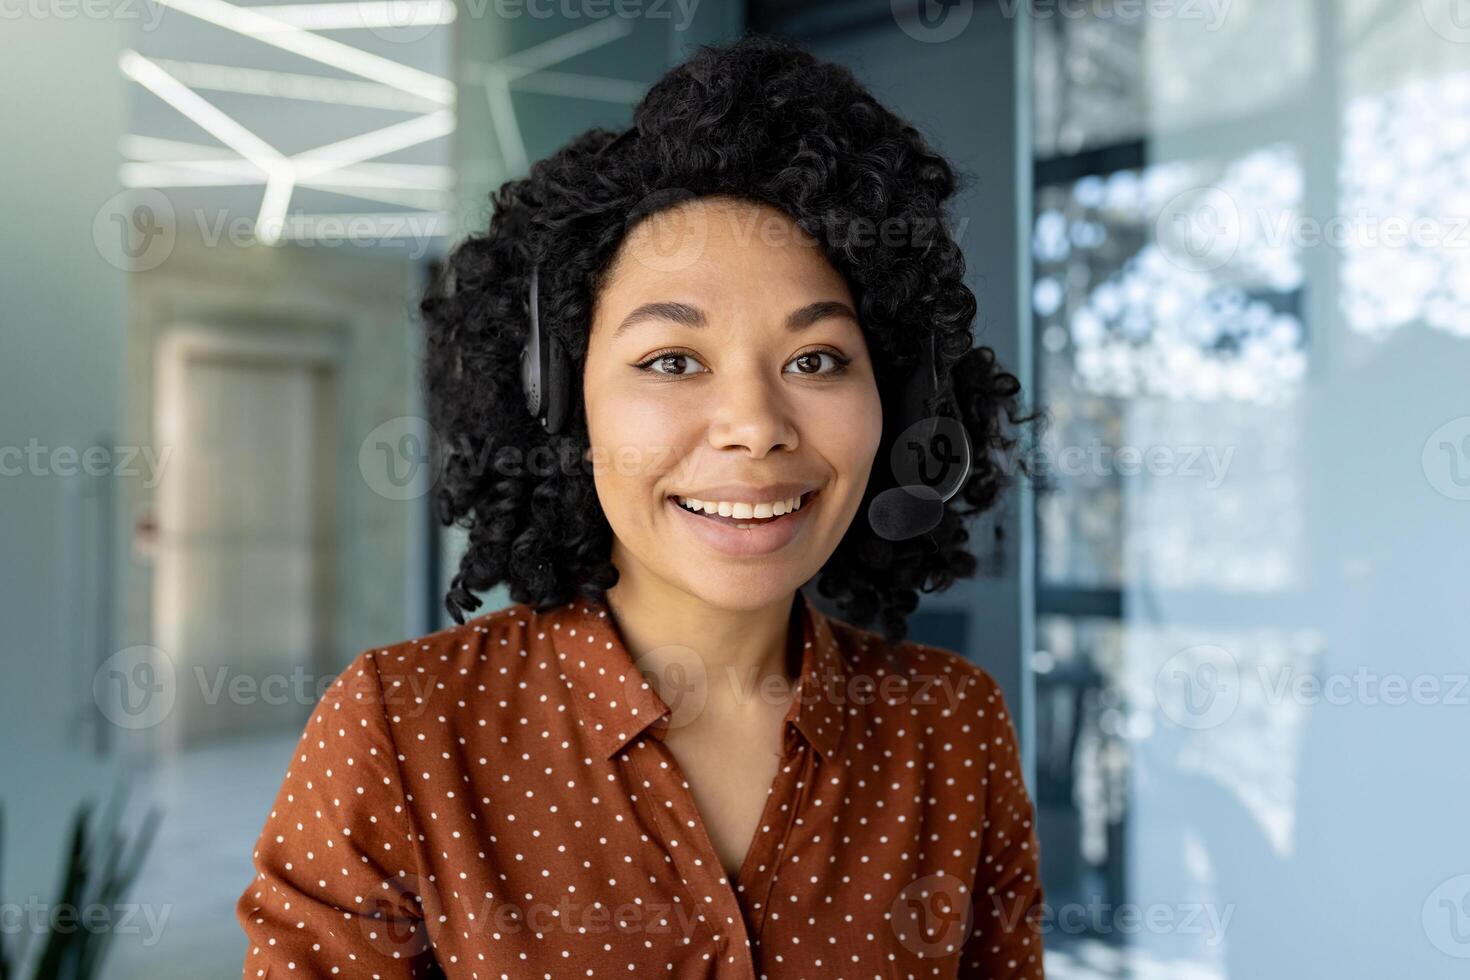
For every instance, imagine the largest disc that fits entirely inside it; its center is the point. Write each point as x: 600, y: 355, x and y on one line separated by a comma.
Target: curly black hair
x: 758, y: 119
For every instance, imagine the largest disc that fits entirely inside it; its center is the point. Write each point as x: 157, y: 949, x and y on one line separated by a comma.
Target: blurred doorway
x: 242, y: 593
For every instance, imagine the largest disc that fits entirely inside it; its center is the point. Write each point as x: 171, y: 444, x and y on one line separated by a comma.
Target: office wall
x: 61, y: 349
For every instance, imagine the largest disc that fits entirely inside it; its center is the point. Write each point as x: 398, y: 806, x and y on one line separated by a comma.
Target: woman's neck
x: 743, y: 655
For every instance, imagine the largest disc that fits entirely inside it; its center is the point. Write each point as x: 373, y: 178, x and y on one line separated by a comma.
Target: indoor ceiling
x: 275, y: 121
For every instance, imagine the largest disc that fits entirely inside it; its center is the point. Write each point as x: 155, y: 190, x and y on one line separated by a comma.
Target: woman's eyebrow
x: 693, y: 316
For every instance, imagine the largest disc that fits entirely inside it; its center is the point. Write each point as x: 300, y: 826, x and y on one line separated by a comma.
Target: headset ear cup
x: 558, y: 383
x: 545, y: 371
x: 915, y: 507
x: 533, y: 354
x: 920, y: 387
x: 528, y: 380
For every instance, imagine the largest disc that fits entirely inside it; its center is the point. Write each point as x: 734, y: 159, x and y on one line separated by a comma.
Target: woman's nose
x: 754, y: 414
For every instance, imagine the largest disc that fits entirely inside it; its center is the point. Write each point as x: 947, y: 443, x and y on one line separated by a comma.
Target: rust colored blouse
x: 495, y: 800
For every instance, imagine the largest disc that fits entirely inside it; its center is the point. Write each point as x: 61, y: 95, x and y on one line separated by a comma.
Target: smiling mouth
x: 746, y: 523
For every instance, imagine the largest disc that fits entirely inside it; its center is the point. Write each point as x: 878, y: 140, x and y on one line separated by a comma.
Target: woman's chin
x: 741, y: 589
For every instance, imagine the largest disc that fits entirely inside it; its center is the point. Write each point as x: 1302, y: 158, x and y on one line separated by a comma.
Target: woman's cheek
x: 638, y: 440
x: 651, y: 429
x: 858, y: 423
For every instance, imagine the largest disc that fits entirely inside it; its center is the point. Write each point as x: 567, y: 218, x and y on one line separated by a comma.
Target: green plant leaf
x: 57, y: 954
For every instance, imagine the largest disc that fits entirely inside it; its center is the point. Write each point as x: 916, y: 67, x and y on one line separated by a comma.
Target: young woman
x: 663, y: 759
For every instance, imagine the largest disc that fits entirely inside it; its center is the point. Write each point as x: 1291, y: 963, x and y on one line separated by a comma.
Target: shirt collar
x: 615, y: 703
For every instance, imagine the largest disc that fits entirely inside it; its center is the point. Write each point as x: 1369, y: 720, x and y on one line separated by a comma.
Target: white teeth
x: 740, y: 509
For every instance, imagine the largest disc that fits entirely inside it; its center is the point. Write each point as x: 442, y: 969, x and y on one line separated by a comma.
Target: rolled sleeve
x: 338, y: 890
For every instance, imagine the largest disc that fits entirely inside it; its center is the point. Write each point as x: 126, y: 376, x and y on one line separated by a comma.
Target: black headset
x: 932, y: 455
x: 544, y: 373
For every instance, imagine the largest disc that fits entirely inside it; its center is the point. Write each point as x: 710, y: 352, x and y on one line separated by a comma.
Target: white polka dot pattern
x: 495, y: 800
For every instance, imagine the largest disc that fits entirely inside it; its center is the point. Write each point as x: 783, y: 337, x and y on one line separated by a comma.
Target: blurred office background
x: 1225, y: 242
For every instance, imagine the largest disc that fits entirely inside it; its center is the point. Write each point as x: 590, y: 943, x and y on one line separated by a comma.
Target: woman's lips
x: 726, y: 535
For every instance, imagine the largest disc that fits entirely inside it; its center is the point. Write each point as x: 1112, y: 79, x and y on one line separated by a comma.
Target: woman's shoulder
x: 458, y: 650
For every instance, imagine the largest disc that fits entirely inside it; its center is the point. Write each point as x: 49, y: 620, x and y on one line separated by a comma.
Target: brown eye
x: 671, y: 363
x: 811, y: 362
